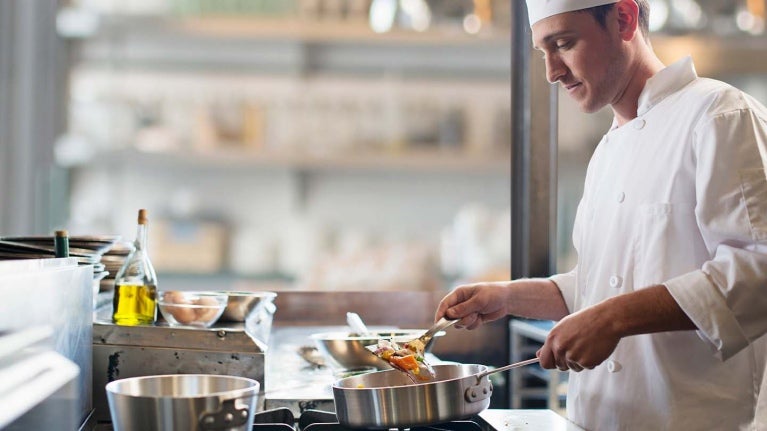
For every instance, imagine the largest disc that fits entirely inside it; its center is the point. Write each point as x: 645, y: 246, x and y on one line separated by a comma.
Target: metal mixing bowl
x: 347, y: 350
x: 243, y: 305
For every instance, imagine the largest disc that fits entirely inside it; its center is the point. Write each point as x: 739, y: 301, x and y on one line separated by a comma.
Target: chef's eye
x: 564, y: 44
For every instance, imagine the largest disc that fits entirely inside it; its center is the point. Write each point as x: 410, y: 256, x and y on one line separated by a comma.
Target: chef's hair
x: 600, y: 14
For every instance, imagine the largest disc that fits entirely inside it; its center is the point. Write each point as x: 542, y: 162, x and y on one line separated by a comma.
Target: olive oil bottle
x: 135, y: 295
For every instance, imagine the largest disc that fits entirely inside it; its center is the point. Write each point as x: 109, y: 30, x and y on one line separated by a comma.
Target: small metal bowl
x: 242, y: 305
x: 347, y: 350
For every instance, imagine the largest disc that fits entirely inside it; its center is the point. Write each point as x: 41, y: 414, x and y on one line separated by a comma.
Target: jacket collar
x: 666, y: 82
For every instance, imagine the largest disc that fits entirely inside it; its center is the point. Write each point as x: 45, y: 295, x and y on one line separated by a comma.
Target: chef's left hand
x: 581, y: 340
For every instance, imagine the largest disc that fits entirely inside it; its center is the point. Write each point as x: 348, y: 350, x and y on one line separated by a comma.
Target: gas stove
x: 282, y: 419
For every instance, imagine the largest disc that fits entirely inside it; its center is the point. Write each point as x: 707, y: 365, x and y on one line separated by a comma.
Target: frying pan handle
x: 481, y: 391
x: 507, y: 367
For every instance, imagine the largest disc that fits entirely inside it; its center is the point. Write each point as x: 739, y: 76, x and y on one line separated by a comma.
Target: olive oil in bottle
x: 135, y: 296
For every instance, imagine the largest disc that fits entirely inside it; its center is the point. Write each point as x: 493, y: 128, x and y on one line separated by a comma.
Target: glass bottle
x: 61, y: 243
x: 135, y: 295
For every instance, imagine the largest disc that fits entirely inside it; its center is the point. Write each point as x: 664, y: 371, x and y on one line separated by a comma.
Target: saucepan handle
x: 226, y: 417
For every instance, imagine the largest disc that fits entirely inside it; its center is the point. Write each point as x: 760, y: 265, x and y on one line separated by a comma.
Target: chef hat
x: 540, y: 9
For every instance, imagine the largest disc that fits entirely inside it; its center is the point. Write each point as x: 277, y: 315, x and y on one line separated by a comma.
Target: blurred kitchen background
x: 323, y: 145
x: 314, y: 144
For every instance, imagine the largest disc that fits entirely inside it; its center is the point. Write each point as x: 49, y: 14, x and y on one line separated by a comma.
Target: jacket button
x: 621, y: 197
x: 613, y: 366
x: 616, y: 281
x: 639, y: 124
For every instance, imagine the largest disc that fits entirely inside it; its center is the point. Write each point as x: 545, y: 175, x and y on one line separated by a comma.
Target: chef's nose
x: 555, y: 68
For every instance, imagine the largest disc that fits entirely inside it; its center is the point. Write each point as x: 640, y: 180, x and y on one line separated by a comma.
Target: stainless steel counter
x: 527, y: 420
x: 291, y: 381
x: 132, y: 351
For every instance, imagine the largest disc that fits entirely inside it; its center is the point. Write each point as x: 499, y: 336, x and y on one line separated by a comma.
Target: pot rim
x: 222, y: 395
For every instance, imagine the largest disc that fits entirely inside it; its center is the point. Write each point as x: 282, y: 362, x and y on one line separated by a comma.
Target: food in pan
x: 407, y: 359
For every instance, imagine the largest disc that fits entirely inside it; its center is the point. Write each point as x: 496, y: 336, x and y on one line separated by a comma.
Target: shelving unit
x: 532, y: 386
x: 236, y: 27
x: 382, y: 135
x: 445, y: 161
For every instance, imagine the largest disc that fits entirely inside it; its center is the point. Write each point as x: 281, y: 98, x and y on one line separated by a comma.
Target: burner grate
x: 314, y: 420
x: 282, y: 419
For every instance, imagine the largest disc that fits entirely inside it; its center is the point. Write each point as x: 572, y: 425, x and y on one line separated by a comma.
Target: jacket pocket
x: 668, y: 243
x: 753, y: 186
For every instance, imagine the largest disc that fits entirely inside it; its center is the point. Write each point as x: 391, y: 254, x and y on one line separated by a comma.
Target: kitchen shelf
x: 327, y: 31
x: 533, y: 383
x: 291, y: 28
x: 291, y: 46
x: 224, y: 280
x: 421, y: 161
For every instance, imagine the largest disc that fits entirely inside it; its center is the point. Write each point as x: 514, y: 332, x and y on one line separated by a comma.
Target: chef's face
x: 585, y: 58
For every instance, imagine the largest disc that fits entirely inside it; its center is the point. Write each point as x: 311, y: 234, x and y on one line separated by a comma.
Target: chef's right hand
x: 474, y: 304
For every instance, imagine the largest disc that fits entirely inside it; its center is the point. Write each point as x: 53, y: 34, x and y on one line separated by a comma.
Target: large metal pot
x: 182, y: 402
x: 388, y: 399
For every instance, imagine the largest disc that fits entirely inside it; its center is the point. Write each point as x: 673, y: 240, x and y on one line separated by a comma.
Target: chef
x: 663, y: 317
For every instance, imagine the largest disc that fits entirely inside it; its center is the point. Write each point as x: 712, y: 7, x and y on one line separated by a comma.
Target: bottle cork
x: 143, y: 218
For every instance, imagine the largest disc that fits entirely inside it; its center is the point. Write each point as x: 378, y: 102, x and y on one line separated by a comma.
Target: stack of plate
x: 86, y: 249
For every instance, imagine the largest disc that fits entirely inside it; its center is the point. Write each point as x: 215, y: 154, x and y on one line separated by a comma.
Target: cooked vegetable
x: 405, y: 362
x: 404, y: 359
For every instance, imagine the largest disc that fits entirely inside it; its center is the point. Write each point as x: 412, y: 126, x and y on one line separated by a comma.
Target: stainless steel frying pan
x: 388, y: 399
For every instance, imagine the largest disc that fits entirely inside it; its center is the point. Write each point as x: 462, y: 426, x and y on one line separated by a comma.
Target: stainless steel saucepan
x: 388, y: 399
x: 183, y: 402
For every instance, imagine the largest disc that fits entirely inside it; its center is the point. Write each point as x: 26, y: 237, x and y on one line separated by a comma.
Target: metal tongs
x: 419, y: 344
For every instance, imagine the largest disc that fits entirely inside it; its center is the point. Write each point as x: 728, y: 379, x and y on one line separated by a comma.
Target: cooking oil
x: 135, y: 296
x: 135, y: 304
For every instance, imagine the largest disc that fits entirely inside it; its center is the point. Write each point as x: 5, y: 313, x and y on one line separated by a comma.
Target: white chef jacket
x: 677, y: 196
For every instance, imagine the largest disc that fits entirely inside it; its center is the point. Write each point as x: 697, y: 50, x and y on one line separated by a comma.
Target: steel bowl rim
x: 331, y: 336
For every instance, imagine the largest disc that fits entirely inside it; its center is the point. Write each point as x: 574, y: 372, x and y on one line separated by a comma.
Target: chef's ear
x: 627, y: 13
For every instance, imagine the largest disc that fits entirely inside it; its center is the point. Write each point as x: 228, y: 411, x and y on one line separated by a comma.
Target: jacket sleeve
x: 566, y: 284
x: 727, y: 297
